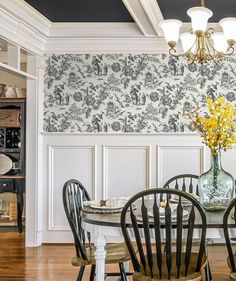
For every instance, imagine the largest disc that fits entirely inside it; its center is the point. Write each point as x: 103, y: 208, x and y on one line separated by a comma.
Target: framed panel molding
x: 52, y: 149
x: 147, y: 164
x: 160, y: 159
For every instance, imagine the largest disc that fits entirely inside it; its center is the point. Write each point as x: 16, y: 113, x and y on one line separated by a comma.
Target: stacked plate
x: 113, y: 205
x: 173, y: 214
x: 5, y: 164
x: 185, y: 202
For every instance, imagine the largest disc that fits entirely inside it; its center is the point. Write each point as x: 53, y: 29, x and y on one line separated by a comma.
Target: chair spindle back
x: 185, y: 182
x: 231, y: 210
x: 74, y: 194
x: 152, y: 224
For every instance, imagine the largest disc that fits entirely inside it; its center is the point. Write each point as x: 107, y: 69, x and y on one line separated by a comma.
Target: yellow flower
x: 218, y: 127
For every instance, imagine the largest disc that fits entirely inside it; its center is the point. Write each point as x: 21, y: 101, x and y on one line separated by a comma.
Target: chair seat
x: 232, y: 274
x: 192, y: 274
x: 115, y: 253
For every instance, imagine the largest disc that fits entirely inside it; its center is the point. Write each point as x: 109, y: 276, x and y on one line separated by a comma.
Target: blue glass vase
x: 216, y: 186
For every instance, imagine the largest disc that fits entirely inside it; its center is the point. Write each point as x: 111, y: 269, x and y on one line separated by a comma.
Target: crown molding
x: 94, y: 30
x: 23, y: 25
x: 22, y: 10
x: 106, y: 45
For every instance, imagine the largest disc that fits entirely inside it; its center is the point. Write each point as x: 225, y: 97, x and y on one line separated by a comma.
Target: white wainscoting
x: 114, y: 165
x: 126, y: 170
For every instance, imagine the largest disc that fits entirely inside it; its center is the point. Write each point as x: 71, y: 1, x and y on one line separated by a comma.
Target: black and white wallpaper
x: 128, y: 93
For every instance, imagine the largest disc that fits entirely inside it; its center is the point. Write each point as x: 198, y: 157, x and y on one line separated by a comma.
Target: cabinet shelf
x: 10, y: 150
x: 5, y: 99
x: 16, y: 71
x: 12, y: 177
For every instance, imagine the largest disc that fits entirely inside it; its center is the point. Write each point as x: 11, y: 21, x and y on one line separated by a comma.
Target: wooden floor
x: 52, y: 262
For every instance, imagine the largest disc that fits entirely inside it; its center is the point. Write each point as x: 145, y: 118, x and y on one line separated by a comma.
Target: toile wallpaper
x: 128, y: 93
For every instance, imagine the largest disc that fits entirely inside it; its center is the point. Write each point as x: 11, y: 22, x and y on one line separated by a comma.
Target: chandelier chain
x: 203, y: 3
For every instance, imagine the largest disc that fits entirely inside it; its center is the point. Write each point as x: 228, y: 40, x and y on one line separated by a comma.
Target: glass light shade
x: 187, y: 40
x: 229, y: 28
x: 171, y: 29
x: 199, y: 17
x: 220, y: 43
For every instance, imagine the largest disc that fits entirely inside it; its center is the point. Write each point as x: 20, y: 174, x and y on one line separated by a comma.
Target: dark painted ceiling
x: 177, y: 8
x: 115, y: 10
x: 82, y: 10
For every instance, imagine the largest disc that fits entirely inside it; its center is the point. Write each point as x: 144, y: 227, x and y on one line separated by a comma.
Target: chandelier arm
x: 230, y: 51
x: 211, y: 50
x: 216, y: 57
x: 215, y: 51
x: 193, y: 58
x: 173, y: 53
x: 209, y: 32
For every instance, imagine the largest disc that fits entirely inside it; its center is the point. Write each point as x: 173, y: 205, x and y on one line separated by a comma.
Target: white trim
x: 14, y: 70
x: 94, y: 30
x: 24, y: 11
x: 136, y: 10
x: 153, y: 13
x: 106, y: 45
x: 105, y: 149
x: 160, y: 148
x: 177, y: 134
x: 51, y: 151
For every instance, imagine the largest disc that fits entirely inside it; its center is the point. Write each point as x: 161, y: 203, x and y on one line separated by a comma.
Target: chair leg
x: 122, y: 272
x: 92, y: 272
x: 208, y: 272
x: 81, y: 272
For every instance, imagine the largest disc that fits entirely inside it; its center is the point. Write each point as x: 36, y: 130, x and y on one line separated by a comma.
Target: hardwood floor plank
x: 52, y: 262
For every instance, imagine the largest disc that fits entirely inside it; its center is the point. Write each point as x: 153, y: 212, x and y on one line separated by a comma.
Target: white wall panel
x: 229, y: 161
x: 175, y: 160
x: 111, y: 165
x: 66, y: 163
x: 126, y: 170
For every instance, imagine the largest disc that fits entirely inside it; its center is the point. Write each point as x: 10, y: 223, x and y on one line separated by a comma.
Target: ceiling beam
x: 153, y: 13
x: 139, y: 15
x: 147, y: 15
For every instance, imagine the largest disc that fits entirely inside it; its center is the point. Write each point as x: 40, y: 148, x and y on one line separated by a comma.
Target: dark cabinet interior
x: 12, y: 148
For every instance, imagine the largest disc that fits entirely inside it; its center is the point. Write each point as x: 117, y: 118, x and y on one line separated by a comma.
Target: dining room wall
x: 128, y: 93
x: 117, y: 122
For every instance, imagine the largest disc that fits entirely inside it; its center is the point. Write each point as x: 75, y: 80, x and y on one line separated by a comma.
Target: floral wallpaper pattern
x: 128, y: 93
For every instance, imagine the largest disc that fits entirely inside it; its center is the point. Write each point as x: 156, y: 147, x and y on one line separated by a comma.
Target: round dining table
x: 107, y: 228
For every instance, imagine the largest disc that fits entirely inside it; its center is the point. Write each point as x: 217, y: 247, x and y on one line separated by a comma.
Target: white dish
x: 173, y: 213
x: 5, y: 164
x: 111, y: 204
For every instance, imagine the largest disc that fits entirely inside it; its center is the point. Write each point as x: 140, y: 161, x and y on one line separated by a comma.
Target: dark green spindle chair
x: 156, y: 258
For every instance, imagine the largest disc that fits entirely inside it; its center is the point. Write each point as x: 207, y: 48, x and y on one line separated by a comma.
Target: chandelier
x: 201, y: 45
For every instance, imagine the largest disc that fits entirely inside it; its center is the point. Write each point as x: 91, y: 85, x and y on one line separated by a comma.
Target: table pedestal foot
x: 100, y: 255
